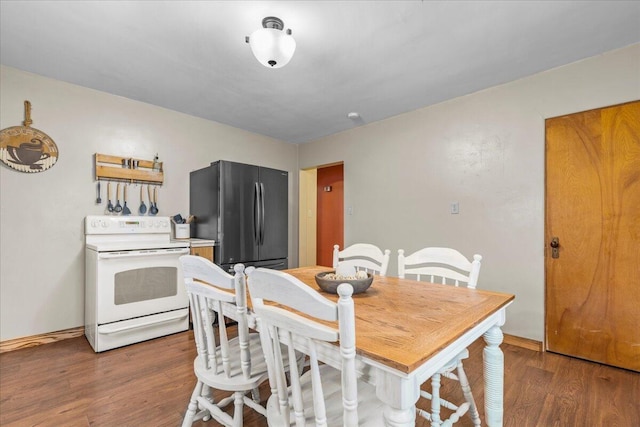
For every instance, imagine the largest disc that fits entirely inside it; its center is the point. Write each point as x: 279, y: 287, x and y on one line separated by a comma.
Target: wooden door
x: 330, y: 226
x: 593, y: 208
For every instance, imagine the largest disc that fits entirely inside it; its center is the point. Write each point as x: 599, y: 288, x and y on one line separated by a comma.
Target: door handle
x: 256, y: 213
x: 262, y: 213
x: 555, y: 245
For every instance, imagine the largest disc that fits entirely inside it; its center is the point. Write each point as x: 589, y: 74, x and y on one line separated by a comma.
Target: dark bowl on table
x: 331, y: 285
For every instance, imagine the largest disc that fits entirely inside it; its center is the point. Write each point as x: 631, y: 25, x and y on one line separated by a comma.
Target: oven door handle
x: 131, y: 254
x: 108, y: 330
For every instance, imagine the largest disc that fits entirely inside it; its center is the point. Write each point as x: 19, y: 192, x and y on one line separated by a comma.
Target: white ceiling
x: 379, y: 58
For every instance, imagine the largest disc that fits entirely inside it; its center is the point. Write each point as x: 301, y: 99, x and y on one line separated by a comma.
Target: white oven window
x: 144, y: 284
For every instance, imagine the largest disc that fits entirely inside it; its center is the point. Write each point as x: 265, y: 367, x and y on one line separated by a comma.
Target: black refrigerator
x: 244, y: 208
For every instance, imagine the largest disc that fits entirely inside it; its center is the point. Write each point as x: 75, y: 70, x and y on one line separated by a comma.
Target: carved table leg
x: 493, y: 377
x: 399, y: 396
x: 394, y: 417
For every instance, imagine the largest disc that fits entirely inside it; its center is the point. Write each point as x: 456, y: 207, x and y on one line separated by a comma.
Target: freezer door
x: 274, y: 264
x: 238, y: 209
x: 274, y: 220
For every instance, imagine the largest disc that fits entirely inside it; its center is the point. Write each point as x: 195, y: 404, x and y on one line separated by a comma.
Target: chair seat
x: 369, y: 406
x: 235, y: 381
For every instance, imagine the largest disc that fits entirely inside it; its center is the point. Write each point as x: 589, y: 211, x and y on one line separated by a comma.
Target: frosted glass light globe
x: 273, y: 48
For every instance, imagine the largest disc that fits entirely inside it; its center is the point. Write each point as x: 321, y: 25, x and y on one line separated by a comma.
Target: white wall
x: 485, y: 151
x: 41, y: 214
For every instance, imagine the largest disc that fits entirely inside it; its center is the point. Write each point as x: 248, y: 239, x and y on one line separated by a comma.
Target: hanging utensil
x: 155, y: 198
x: 143, y: 208
x: 153, y: 210
x: 118, y: 206
x: 98, y: 199
x: 125, y: 209
x: 150, y: 200
x: 109, y: 205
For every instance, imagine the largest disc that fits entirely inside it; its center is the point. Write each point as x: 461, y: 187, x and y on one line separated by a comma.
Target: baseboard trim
x: 35, y: 340
x: 523, y: 342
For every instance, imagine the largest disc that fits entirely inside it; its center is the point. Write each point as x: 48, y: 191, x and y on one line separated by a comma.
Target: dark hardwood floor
x: 149, y: 384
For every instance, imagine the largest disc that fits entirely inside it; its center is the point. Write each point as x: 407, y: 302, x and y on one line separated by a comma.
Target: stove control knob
x: 93, y: 224
x: 105, y: 224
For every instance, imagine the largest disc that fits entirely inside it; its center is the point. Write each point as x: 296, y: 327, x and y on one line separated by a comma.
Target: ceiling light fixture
x: 272, y: 46
x: 355, y: 117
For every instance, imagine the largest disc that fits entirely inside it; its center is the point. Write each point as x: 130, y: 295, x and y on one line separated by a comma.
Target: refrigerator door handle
x: 256, y: 214
x: 262, y: 213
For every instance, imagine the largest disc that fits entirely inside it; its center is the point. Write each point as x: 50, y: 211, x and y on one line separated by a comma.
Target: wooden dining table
x: 407, y: 330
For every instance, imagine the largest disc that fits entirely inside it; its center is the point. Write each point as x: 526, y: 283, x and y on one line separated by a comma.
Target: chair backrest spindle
x: 282, y: 327
x: 209, y: 289
x: 225, y: 361
x: 444, y: 265
x: 362, y: 256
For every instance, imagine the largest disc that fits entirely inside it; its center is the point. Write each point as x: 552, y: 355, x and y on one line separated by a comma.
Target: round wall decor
x: 27, y: 149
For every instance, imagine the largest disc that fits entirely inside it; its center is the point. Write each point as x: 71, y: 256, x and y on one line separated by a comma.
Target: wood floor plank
x: 149, y: 384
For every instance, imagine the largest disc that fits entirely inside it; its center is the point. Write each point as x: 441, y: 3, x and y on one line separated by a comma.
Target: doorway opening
x: 321, y: 215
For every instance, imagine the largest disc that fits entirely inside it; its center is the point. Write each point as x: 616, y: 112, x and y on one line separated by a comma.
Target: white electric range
x: 134, y: 289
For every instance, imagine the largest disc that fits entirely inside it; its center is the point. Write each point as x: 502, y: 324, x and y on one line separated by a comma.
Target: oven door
x: 132, y: 284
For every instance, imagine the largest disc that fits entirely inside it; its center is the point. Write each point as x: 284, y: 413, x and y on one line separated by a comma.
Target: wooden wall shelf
x: 111, y: 168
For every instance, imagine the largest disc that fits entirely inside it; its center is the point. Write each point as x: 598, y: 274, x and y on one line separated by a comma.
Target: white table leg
x: 493, y: 377
x: 399, y: 396
x: 394, y: 417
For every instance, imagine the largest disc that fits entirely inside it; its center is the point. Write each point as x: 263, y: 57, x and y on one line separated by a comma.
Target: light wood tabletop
x: 402, y: 323
x: 406, y: 330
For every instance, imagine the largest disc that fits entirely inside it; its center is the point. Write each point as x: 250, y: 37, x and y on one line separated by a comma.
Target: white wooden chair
x: 362, y: 256
x: 446, y: 266
x: 323, y: 395
x: 235, y: 365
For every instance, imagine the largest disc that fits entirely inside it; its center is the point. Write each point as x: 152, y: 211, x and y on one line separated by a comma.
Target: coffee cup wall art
x: 27, y: 149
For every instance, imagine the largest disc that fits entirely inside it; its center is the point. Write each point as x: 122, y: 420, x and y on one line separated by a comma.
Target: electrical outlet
x: 455, y: 208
